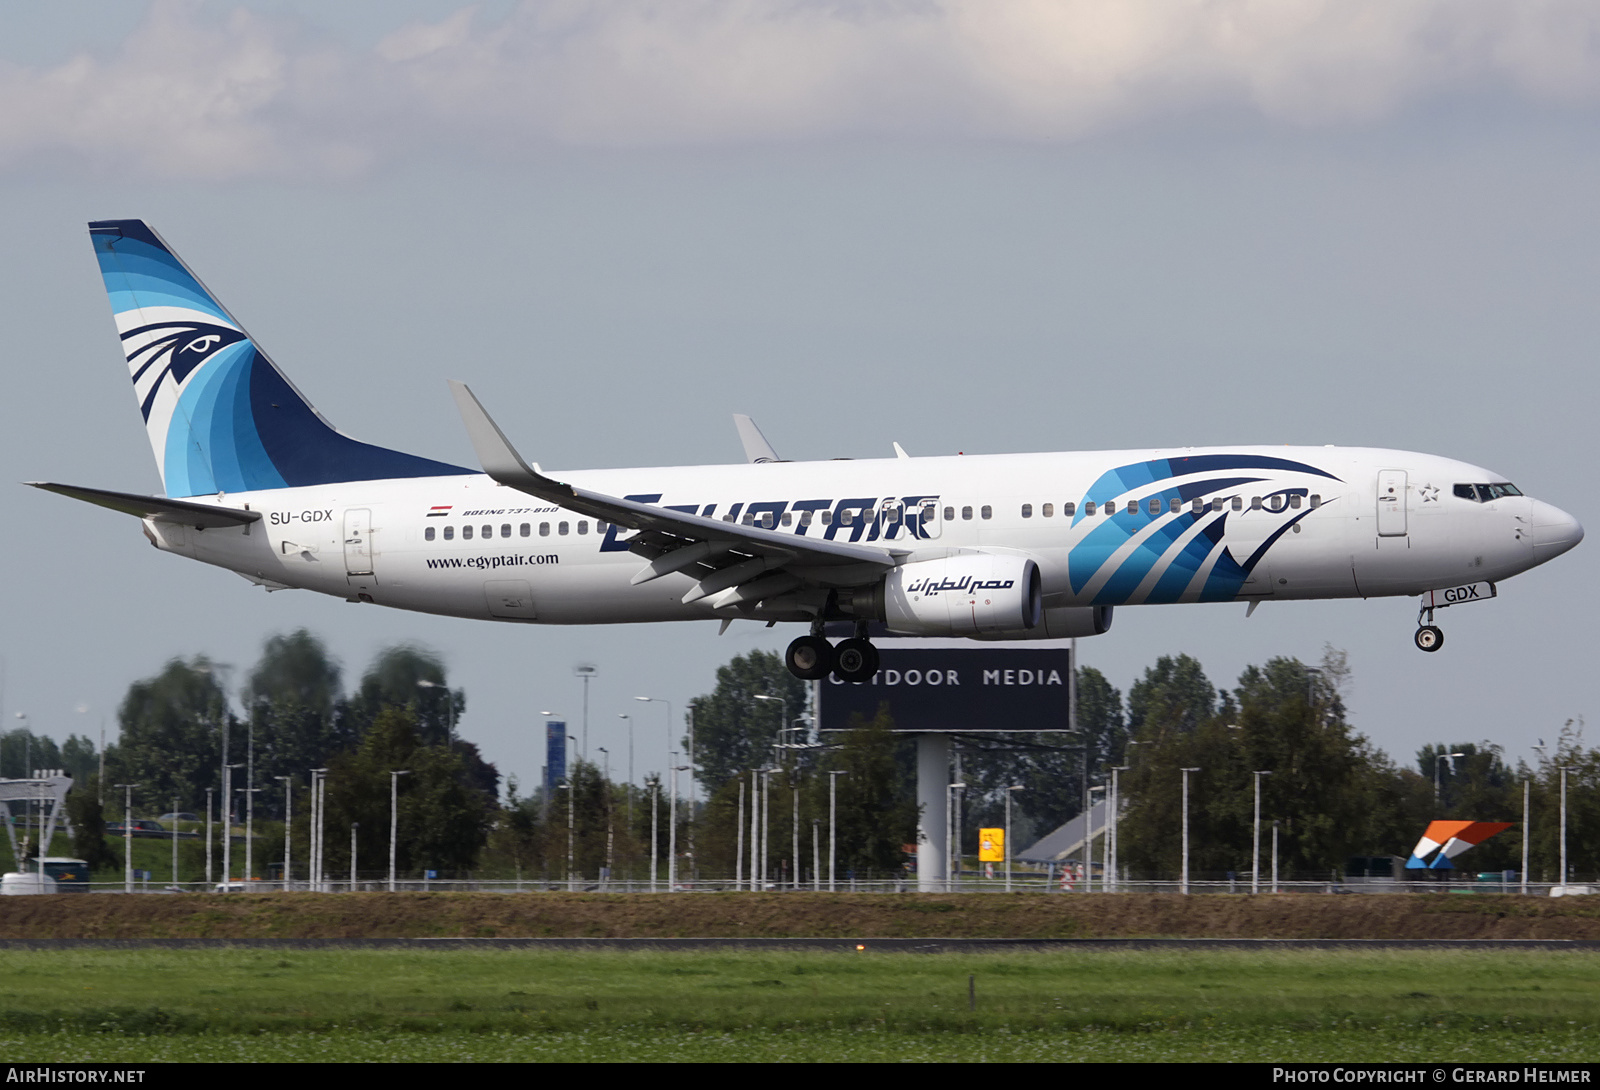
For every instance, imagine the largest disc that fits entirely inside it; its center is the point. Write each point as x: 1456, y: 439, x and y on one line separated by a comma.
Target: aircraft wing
x: 721, y: 555
x: 201, y: 515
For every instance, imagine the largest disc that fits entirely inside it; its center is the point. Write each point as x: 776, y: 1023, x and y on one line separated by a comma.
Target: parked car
x: 139, y: 827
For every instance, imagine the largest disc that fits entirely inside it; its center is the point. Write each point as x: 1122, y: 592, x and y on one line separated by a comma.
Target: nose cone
x: 1554, y: 532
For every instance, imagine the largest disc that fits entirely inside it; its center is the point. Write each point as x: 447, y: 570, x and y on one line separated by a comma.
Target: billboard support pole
x: 933, y: 811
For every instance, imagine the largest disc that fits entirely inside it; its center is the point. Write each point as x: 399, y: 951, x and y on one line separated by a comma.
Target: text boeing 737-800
x: 1020, y: 546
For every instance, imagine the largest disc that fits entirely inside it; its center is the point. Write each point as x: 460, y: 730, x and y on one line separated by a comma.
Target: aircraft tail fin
x: 220, y: 415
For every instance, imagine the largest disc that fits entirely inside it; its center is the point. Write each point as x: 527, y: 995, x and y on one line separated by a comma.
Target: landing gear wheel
x: 1429, y: 638
x: 855, y: 660
x: 809, y: 658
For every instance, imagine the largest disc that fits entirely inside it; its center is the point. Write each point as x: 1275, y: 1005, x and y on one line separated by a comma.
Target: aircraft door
x: 1391, y: 503
x: 358, y: 548
x: 923, y: 514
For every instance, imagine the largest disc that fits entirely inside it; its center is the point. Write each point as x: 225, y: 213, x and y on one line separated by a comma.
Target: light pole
x: 227, y: 826
x: 1184, y: 883
x: 755, y: 828
x: 1005, y: 848
x: 355, y: 827
x: 833, y: 822
x: 605, y: 787
x: 571, y: 830
x: 655, y: 810
x: 127, y: 833
x: 1439, y: 764
x: 1088, y: 831
x: 288, y: 823
x: 672, y: 831
x: 319, y: 807
x: 210, y: 801
x: 1564, y: 770
x: 587, y: 672
x: 1115, y: 845
x: 1255, y: 843
x: 174, y: 835
x: 394, y: 819
x: 450, y: 710
x: 953, y: 832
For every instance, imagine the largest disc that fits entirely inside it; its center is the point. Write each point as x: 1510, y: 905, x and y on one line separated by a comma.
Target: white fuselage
x: 1213, y: 524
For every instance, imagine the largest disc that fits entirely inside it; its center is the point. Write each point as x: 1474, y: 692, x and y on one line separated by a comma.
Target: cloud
x: 190, y: 94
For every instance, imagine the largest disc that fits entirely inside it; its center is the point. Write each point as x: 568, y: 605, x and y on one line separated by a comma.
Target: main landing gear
x: 812, y: 657
x: 1429, y: 636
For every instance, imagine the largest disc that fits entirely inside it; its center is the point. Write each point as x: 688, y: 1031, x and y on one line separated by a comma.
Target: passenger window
x: 505, y: 529
x: 1294, y: 501
x: 600, y: 527
x: 1154, y: 506
x: 1197, y: 507
x: 427, y: 534
x: 966, y: 512
x: 1027, y: 510
x: 561, y: 528
x: 987, y: 512
x: 1174, y: 506
x: 583, y: 526
x: 466, y: 533
x: 1238, y: 503
x: 1316, y: 501
x: 893, y: 515
x: 1068, y: 509
x: 1048, y: 510
x: 805, y: 518
x: 526, y: 529
x: 544, y: 529
x: 827, y: 518
x: 488, y: 531
x: 748, y: 520
x: 449, y: 532
x: 949, y: 513
x: 1255, y: 503
x: 788, y: 519
x: 1111, y: 507
x: 1088, y: 507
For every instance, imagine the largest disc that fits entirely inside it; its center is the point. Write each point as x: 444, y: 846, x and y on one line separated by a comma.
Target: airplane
x: 990, y: 547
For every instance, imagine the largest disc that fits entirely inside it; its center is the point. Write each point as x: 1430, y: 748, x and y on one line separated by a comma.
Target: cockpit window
x: 1483, y: 493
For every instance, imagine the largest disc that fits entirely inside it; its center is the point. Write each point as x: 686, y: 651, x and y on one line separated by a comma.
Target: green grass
x: 370, y: 1005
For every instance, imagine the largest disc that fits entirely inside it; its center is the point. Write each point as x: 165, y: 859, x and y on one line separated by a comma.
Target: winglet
x: 756, y: 447
x: 498, y: 457
x: 900, y: 451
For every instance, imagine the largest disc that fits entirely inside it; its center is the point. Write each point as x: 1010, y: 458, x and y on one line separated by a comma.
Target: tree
x: 877, y: 814
x: 1283, y: 718
x: 733, y: 730
x: 171, y: 738
x: 293, y: 696
x: 442, y: 819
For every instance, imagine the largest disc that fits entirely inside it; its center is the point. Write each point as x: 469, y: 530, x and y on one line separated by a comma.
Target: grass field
x: 516, y: 1005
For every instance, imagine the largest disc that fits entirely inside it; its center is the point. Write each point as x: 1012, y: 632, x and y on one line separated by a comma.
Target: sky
x: 963, y: 226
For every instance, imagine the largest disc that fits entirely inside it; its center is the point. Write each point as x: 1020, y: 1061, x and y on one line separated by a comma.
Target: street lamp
x: 1115, y: 844
x: 450, y: 709
x: 833, y: 822
x: 586, y: 671
x: 1255, y: 844
x: 953, y: 831
x: 1184, y: 883
x: 127, y: 833
x: 394, y: 819
x: 1005, y: 847
x: 1438, y: 764
x: 288, y: 824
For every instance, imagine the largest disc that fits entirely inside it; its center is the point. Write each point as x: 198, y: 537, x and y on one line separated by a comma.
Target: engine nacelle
x: 1061, y: 623
x: 971, y: 594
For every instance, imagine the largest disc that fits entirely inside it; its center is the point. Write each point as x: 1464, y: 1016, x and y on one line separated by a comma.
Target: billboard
x: 966, y: 689
x: 555, y: 755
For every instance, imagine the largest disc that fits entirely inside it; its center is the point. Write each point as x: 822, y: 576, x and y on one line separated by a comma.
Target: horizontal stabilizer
x: 201, y: 515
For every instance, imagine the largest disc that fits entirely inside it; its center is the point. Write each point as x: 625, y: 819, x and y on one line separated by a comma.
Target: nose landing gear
x: 1429, y: 636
